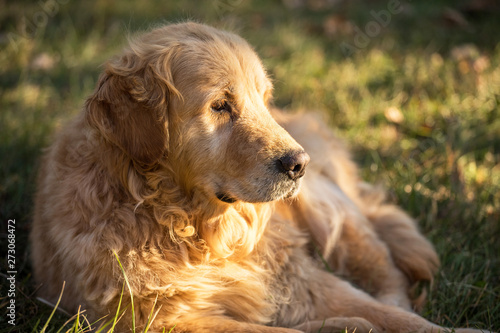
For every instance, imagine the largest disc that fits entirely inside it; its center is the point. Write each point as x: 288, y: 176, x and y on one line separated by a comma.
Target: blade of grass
x: 102, y: 327
x: 130, y: 290
x: 115, y: 319
x: 118, y: 309
x: 152, y: 316
x: 34, y: 330
x: 54, y: 310
x: 322, y: 326
x: 44, y: 301
x: 85, y: 329
x: 323, y: 260
x: 76, y: 323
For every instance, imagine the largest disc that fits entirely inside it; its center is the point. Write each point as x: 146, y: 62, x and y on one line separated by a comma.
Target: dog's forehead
x: 223, y: 60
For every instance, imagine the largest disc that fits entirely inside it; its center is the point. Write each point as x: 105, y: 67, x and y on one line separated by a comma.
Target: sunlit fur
x: 138, y: 172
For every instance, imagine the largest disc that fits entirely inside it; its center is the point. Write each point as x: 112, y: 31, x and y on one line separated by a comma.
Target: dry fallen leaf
x: 394, y: 115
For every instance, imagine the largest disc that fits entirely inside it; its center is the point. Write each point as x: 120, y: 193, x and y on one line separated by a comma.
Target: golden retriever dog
x: 221, y: 210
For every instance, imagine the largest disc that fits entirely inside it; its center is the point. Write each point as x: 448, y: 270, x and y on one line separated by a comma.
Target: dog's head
x: 196, y: 98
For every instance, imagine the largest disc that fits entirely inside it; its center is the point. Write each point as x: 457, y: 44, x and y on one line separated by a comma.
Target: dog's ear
x: 129, y: 108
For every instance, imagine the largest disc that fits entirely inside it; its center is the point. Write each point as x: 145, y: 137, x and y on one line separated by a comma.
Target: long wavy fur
x: 127, y: 176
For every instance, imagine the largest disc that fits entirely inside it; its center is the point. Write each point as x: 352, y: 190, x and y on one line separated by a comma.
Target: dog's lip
x: 225, y: 197
x: 294, y: 190
x: 232, y: 196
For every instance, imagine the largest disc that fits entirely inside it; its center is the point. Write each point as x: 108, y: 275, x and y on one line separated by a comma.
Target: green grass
x: 438, y: 152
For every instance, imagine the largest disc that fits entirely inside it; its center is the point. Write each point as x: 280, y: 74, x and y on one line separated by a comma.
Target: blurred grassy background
x: 418, y: 102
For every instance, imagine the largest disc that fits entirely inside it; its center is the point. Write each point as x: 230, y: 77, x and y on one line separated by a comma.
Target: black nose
x: 294, y: 164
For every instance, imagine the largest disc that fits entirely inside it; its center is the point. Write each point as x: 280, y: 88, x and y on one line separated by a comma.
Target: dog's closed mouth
x: 224, y: 197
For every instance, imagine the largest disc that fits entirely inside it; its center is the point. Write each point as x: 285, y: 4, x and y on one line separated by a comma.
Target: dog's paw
x: 347, y: 324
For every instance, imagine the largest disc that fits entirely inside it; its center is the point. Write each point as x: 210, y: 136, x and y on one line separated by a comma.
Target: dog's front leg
x: 365, y: 259
x: 348, y: 241
x: 337, y: 304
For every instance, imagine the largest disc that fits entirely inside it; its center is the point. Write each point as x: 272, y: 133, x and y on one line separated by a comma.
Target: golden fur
x: 171, y: 165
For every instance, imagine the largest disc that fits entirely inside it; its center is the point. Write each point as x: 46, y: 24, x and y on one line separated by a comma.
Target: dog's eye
x: 221, y: 106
